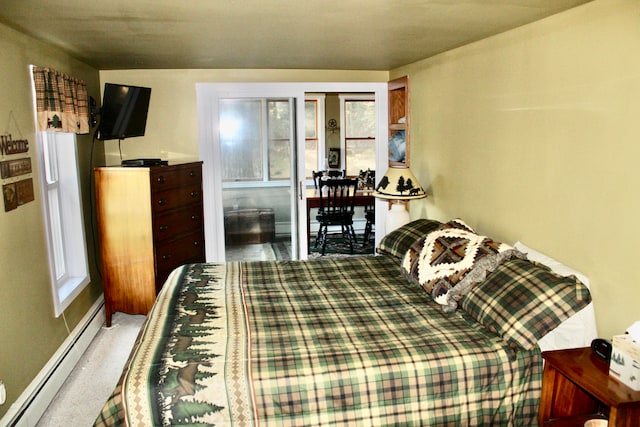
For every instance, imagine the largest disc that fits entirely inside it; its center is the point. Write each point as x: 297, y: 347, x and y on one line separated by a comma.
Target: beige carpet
x: 90, y: 384
x: 253, y: 252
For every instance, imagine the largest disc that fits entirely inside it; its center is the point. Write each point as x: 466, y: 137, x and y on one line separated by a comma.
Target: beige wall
x: 172, y: 123
x: 530, y: 135
x: 332, y: 111
x: 533, y: 135
x: 29, y: 333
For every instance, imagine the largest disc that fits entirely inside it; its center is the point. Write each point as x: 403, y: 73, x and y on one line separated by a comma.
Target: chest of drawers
x: 149, y: 222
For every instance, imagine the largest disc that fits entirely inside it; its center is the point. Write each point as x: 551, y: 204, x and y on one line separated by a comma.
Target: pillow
x: 449, y: 261
x: 521, y: 301
x: 398, y: 242
x: 578, y: 330
x: 458, y: 223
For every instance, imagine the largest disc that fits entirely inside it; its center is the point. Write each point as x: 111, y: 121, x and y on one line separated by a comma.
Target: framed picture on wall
x: 10, y: 197
x: 398, y: 148
x: 334, y: 158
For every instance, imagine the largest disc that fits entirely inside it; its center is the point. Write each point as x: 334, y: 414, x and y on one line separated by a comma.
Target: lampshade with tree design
x: 398, y: 184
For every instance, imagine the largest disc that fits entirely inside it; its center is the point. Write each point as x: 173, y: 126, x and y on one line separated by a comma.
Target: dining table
x: 363, y: 197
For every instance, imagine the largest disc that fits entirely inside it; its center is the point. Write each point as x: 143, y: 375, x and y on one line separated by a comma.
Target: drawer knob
x: 162, y: 202
x: 192, y: 173
x: 161, y: 179
x: 166, y: 257
x: 194, y: 217
x: 164, y: 227
x: 194, y: 194
x: 196, y: 243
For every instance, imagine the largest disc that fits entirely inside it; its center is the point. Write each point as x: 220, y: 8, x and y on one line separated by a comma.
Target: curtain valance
x: 62, y: 103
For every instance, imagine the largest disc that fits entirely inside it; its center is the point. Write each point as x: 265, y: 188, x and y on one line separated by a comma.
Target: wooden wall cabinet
x: 150, y: 221
x: 399, y: 112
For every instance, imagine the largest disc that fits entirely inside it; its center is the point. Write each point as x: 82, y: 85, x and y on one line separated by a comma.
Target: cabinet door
x: 399, y: 121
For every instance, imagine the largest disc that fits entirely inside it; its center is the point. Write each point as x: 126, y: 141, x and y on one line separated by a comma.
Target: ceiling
x: 280, y: 34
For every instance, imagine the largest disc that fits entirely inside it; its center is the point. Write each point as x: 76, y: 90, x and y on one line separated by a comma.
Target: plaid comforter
x: 312, y: 343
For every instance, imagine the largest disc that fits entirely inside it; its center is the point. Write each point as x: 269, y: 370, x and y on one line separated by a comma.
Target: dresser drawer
x: 173, y: 253
x: 173, y: 223
x: 161, y: 275
x: 174, y: 199
x: 163, y: 178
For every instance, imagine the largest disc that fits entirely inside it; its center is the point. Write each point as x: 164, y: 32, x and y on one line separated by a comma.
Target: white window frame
x: 64, y: 223
x: 321, y: 163
x: 343, y: 128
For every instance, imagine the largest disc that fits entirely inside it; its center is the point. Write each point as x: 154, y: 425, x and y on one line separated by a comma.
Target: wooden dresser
x: 149, y: 222
x: 576, y: 387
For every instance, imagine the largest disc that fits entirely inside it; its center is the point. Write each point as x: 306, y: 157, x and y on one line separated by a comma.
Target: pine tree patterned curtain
x: 62, y: 103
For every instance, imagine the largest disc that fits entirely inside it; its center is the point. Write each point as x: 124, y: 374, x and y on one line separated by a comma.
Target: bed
x: 344, y: 341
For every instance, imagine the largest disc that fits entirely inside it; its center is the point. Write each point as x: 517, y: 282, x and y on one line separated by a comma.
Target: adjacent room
x: 476, y: 147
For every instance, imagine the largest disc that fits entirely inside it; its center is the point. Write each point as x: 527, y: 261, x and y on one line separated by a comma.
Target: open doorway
x: 211, y: 96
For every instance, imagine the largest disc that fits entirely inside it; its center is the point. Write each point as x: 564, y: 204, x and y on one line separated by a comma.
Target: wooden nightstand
x: 576, y: 387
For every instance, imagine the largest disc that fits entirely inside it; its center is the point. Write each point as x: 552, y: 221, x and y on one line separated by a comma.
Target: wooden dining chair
x: 331, y: 173
x: 337, y: 205
x: 336, y: 173
x: 317, y: 175
x: 370, y: 216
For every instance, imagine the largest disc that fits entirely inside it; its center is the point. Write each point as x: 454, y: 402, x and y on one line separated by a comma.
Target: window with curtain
x: 61, y: 105
x: 61, y: 101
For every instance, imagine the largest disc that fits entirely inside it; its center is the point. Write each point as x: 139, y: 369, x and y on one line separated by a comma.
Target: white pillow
x: 578, y: 330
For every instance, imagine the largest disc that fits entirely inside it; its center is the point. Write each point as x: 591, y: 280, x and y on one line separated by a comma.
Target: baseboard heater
x: 33, y: 402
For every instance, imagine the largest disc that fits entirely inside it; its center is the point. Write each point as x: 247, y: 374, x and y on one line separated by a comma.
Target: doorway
x: 257, y: 149
x: 211, y: 98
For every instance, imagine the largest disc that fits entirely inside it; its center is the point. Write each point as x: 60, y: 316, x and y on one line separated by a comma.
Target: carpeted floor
x: 337, y: 245
x: 83, y: 394
x: 253, y: 252
x: 281, y: 249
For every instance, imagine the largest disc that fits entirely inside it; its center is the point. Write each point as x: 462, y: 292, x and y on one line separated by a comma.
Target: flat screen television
x: 124, y: 111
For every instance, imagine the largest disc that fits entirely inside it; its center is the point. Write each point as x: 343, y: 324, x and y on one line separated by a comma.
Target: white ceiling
x: 281, y: 34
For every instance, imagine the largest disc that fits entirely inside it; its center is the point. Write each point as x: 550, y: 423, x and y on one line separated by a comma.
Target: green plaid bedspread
x: 336, y: 341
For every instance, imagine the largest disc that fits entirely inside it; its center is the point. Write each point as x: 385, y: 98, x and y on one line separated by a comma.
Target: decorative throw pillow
x: 522, y: 301
x: 449, y: 261
x: 398, y: 242
x: 458, y: 223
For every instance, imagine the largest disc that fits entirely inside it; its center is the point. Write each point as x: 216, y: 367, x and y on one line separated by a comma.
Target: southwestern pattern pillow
x: 449, y: 261
x: 522, y: 301
x: 398, y: 242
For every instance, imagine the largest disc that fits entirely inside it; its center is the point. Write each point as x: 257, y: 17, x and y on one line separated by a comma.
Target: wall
x: 172, y: 127
x: 332, y: 111
x: 29, y: 333
x: 533, y: 135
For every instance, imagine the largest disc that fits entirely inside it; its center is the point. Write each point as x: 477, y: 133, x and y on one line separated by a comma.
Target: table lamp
x: 398, y: 184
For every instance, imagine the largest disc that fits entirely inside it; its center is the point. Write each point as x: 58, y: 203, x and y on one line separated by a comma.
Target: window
x: 255, y: 139
x: 359, y: 145
x: 279, y: 143
x: 63, y: 217
x: 314, y: 135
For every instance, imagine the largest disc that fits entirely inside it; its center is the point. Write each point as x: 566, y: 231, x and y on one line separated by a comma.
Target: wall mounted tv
x: 124, y: 111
